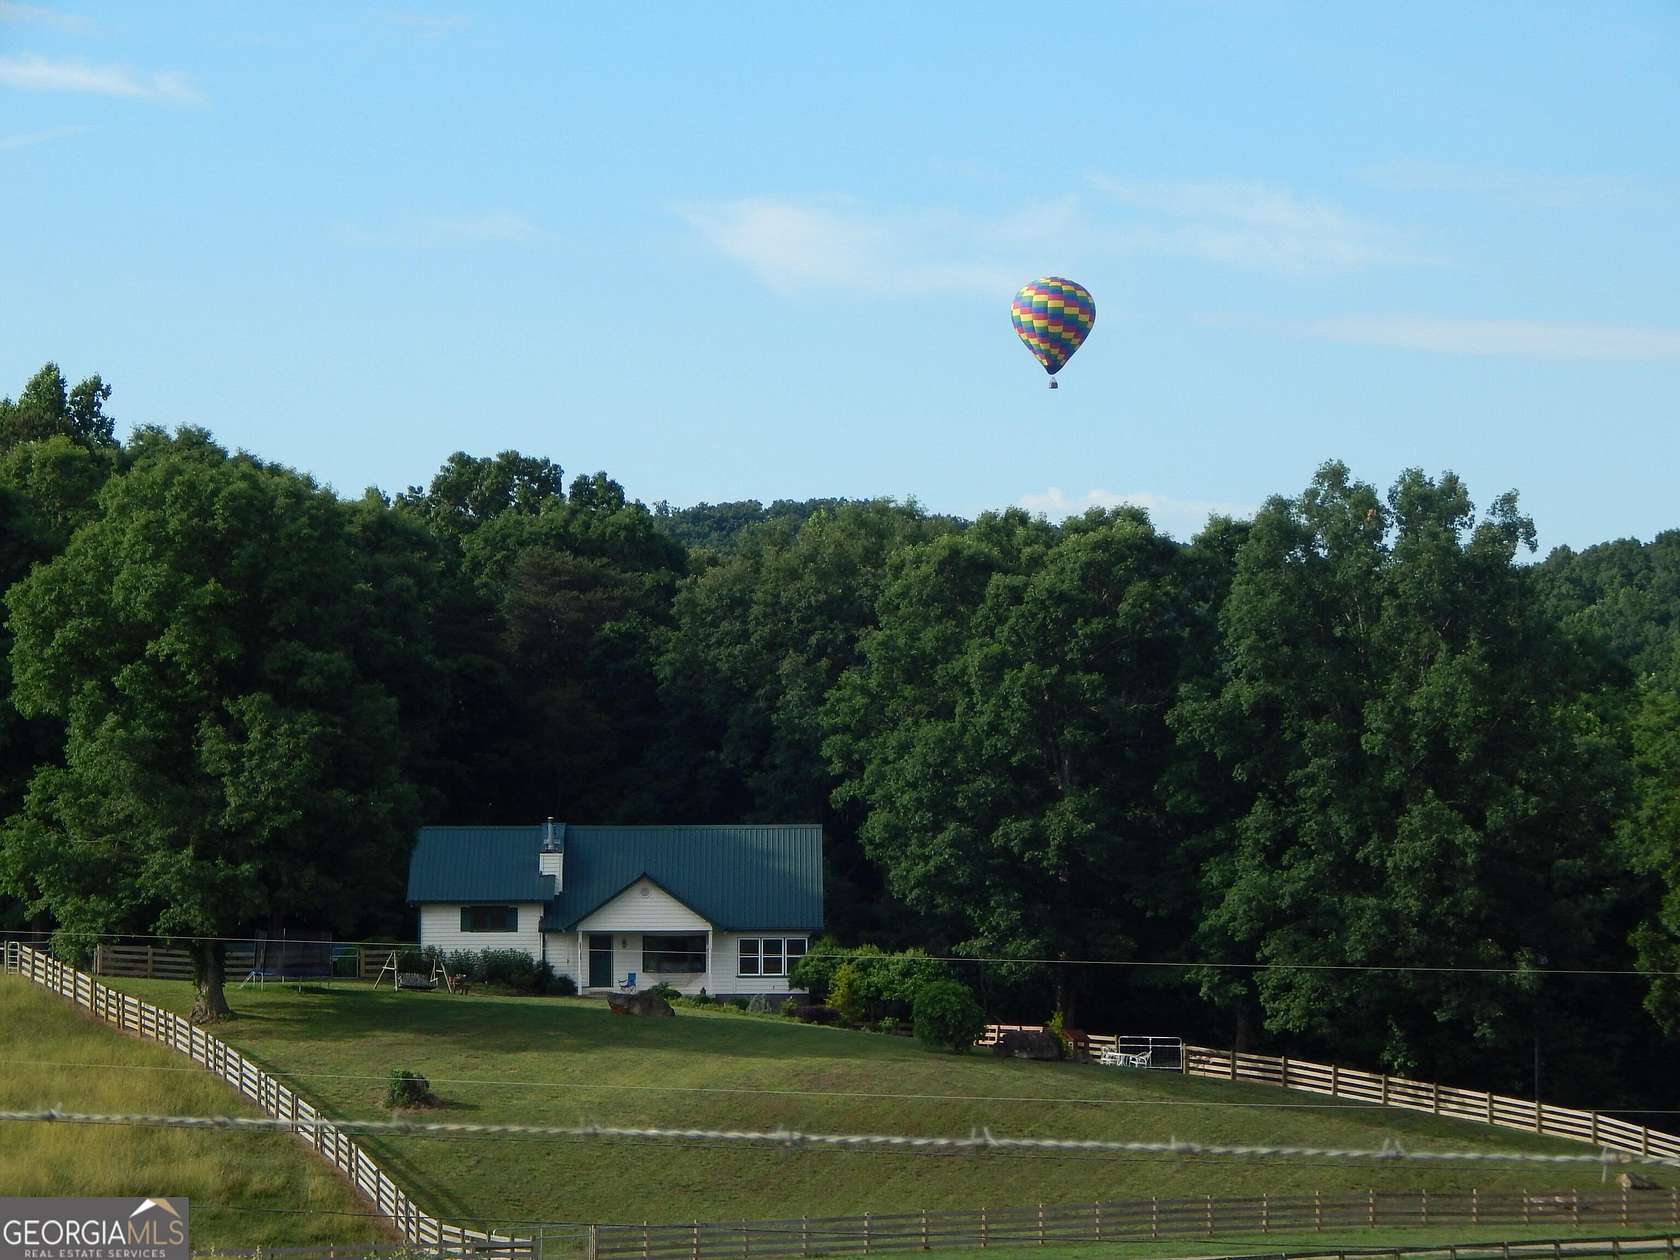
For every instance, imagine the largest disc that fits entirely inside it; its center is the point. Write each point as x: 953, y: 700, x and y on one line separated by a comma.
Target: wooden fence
x: 1526, y: 1114
x: 278, y: 1100
x: 158, y: 962
x: 1131, y: 1220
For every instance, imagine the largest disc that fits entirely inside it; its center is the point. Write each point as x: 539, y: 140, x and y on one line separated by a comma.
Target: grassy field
x: 565, y: 1062
x: 245, y: 1190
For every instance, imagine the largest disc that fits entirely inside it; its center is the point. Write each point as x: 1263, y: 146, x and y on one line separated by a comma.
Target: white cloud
x: 491, y: 227
x: 1180, y: 517
x: 1249, y: 225
x: 424, y: 25
x: 72, y: 23
x: 1521, y: 338
x: 39, y: 74
x: 37, y: 137
x: 789, y: 245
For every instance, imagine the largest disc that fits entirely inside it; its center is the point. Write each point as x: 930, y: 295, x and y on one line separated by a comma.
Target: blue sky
x: 760, y: 251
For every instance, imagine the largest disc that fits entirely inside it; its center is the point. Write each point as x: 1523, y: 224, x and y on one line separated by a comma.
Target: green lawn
x: 245, y: 1190
x: 565, y: 1062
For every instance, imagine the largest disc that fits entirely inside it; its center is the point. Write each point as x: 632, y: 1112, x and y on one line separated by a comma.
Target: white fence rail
x: 343, y: 1153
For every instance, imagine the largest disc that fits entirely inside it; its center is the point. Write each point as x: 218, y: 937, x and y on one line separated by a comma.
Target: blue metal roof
x: 478, y: 864
x: 738, y: 878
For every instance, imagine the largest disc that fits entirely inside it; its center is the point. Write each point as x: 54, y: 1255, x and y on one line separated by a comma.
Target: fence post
x: 594, y: 1241
x: 1099, y: 1222
x: 1524, y: 1194
x: 1335, y: 1081
x: 1539, y: 1116
x: 1475, y: 1206
x: 1154, y: 1217
x: 866, y: 1233
x: 150, y: 964
x: 804, y: 1236
x: 924, y: 1229
x: 1210, y: 1215
x: 1041, y: 1222
x: 1371, y: 1200
x: 1283, y: 1082
x: 982, y: 1227
x: 1435, y: 1087
x: 1265, y: 1214
x: 696, y: 1240
x: 1488, y: 1099
x: 1385, y: 1089
x: 1424, y: 1204
x: 1233, y: 1063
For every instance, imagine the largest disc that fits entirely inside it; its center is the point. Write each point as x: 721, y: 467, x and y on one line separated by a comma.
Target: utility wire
x: 983, y: 1140
x: 1398, y: 968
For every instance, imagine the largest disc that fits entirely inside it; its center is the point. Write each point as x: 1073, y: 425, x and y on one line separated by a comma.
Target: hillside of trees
x: 1355, y: 778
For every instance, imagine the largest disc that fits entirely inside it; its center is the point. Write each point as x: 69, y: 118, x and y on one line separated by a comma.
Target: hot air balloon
x: 1052, y: 317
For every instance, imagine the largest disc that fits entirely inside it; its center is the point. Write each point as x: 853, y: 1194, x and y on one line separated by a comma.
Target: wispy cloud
x: 1528, y: 188
x: 838, y: 243
x: 1253, y: 226
x: 490, y: 227
x: 789, y: 245
x: 41, y: 74
x: 1495, y: 337
x: 26, y: 139
x: 423, y: 25
x: 34, y: 14
x: 1179, y: 517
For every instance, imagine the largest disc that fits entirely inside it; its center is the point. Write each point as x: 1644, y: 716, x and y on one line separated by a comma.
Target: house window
x: 769, y: 955
x: 666, y: 954
x: 489, y: 918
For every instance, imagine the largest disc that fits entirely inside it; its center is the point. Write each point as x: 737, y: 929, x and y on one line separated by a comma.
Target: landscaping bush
x: 816, y: 1014
x: 947, y: 1017
x: 813, y: 972
x: 465, y: 962
x: 845, y: 993
x: 760, y: 1005
x: 562, y: 986
x: 740, y: 1003
x: 669, y: 992
x: 513, y: 968
x: 881, y: 983
x: 408, y: 1089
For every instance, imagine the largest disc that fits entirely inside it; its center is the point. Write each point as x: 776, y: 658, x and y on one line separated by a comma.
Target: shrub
x: 813, y: 972
x: 760, y: 1005
x: 888, y: 1024
x: 408, y: 1089
x: 669, y: 992
x: 816, y: 1014
x: 740, y: 1003
x: 562, y: 986
x: 947, y: 1017
x: 464, y: 962
x: 513, y: 968
x: 845, y: 993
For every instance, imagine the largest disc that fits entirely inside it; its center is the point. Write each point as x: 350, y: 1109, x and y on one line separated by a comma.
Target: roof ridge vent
x: 551, y: 838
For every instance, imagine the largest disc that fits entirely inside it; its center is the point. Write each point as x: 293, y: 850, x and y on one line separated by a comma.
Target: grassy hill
x: 522, y: 1060
x: 245, y: 1190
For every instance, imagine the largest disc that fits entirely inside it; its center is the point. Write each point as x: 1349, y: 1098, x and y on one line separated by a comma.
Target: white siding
x: 440, y: 925
x: 644, y: 907
x: 725, y: 963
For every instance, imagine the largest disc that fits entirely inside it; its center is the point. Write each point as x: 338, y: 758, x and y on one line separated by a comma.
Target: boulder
x: 1028, y: 1045
x: 639, y: 1004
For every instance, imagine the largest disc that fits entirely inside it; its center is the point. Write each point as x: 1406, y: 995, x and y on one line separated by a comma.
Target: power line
x: 983, y: 1140
x: 1071, y: 1100
x: 1397, y: 968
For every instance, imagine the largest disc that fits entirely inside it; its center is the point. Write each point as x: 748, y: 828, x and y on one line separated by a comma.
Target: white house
x: 728, y: 909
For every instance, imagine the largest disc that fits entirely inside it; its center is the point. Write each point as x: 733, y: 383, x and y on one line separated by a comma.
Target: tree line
x: 1352, y: 778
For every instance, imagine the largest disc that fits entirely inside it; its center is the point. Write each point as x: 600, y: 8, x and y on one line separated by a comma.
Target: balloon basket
x: 1053, y: 384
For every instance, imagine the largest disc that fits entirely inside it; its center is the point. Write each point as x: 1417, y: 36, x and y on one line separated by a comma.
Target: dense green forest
x: 1362, y: 730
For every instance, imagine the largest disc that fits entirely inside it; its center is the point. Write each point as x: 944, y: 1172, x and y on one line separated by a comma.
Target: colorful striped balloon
x: 1053, y: 316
